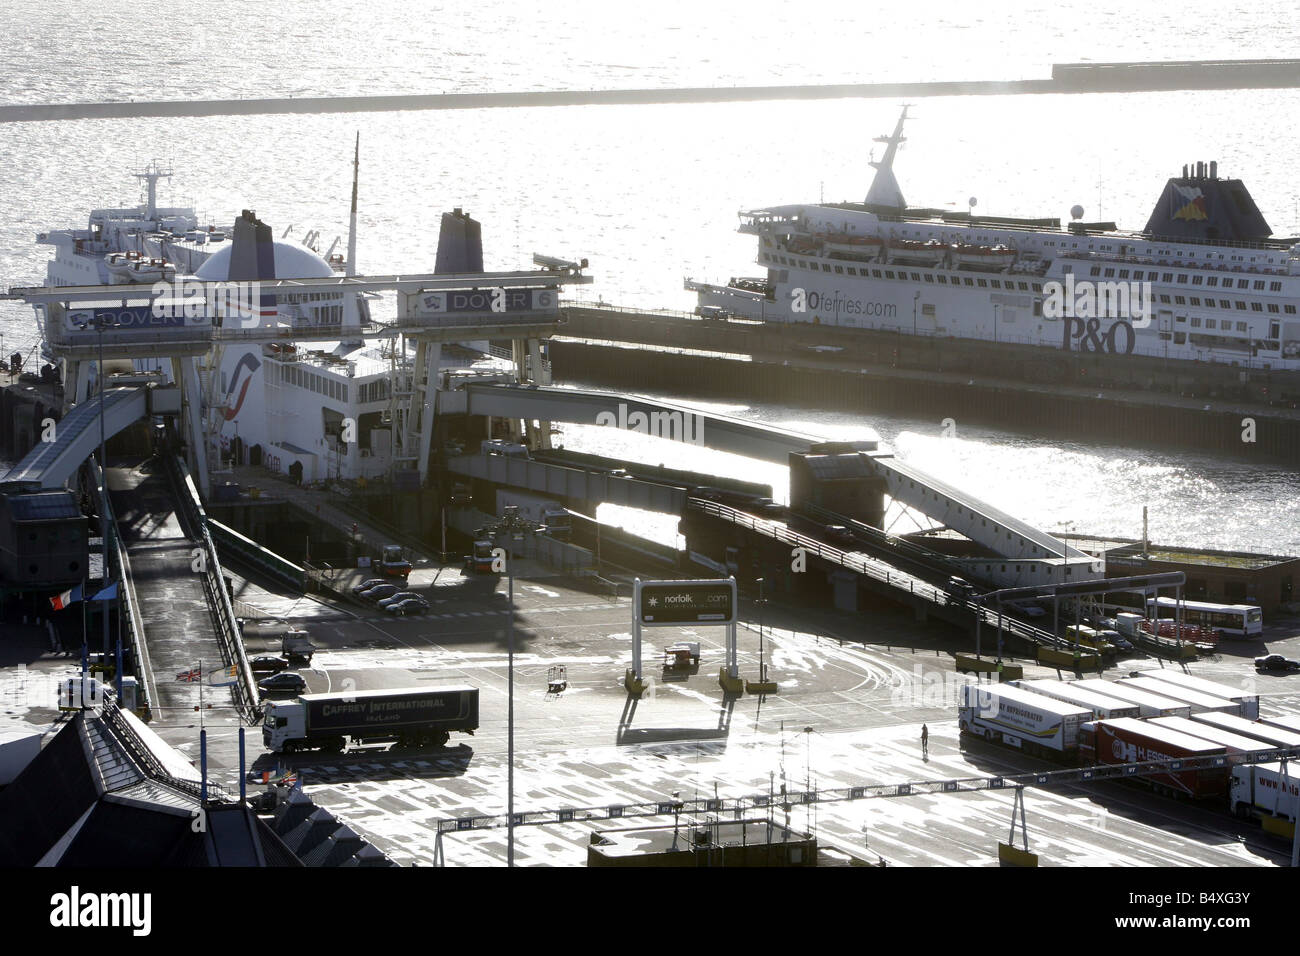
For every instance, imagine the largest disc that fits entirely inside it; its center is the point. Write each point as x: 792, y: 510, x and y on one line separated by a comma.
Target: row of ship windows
x: 1037, y: 287
x: 374, y: 391
x: 305, y: 378
x: 1226, y: 304
x: 1211, y: 281
x: 1105, y: 247
x: 914, y: 276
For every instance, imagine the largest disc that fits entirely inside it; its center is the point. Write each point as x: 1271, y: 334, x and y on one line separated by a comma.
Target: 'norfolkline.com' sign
x: 663, y: 603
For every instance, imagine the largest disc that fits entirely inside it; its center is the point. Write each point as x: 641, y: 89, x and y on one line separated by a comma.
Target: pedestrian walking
x: 925, y: 741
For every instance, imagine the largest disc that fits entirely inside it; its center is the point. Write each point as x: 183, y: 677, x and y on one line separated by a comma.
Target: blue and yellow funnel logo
x: 1190, y: 203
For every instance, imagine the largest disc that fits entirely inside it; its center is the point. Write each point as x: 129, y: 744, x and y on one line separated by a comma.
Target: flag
x: 189, y: 676
x: 60, y: 601
x: 108, y: 594
x: 224, y: 676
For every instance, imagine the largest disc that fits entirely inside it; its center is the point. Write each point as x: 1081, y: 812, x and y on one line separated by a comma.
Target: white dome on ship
x: 292, y: 261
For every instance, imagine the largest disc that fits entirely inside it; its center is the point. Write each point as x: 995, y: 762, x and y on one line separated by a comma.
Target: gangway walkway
x: 178, y: 623
x: 904, y: 585
x: 51, y: 463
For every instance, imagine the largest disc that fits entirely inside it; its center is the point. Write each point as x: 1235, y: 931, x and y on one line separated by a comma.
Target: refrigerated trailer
x: 1200, y: 703
x: 1248, y: 704
x: 1021, y: 718
x: 1151, y: 705
x: 1289, y: 722
x: 1238, y: 746
x: 412, y: 716
x: 1101, y: 705
x: 1127, y: 741
x: 1277, y: 736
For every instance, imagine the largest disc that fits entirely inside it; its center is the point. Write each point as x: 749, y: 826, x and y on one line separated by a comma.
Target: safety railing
x: 130, y: 618
x: 879, y: 571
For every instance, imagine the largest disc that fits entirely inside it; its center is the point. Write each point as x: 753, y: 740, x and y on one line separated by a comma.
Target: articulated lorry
x: 409, y: 717
x: 1127, y: 740
x: 1021, y: 718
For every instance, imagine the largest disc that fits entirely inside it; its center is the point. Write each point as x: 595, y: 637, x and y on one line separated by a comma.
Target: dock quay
x: 1130, y: 400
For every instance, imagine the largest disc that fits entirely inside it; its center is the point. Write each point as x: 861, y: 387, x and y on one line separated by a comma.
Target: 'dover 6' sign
x: 664, y: 603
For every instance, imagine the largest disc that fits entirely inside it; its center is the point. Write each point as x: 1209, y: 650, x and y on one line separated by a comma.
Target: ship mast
x: 884, y: 189
x: 351, y: 309
x: 151, y: 175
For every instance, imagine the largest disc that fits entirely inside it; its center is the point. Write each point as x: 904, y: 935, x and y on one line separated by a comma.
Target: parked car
x: 285, y: 683
x: 368, y: 584
x: 412, y: 605
x: 379, y: 592
x: 395, y: 598
x: 1276, y: 662
x: 271, y: 665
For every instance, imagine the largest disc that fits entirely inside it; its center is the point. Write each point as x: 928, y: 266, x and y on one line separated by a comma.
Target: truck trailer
x: 1277, y: 736
x: 1239, y: 748
x: 1021, y: 718
x: 1248, y: 704
x: 1127, y: 740
x: 1150, y: 704
x: 412, y: 716
x: 1266, y: 790
x: 538, y: 509
x: 1199, y: 702
x: 1102, y: 706
x: 1289, y: 722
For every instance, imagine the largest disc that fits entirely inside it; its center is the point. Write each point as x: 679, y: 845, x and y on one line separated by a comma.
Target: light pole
x: 514, y: 528
x: 995, y: 322
x: 915, y: 298
x: 762, y: 667
x: 99, y: 324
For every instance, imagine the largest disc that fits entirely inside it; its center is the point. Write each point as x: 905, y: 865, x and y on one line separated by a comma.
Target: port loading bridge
x: 885, y: 578
x: 1042, y: 556
x: 50, y: 464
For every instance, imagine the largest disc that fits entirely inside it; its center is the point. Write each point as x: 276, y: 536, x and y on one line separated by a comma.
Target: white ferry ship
x: 281, y: 404
x: 1203, y: 281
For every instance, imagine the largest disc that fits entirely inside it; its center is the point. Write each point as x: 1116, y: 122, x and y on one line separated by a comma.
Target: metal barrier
x: 144, y: 758
x: 130, y: 619
x: 214, y: 584
x: 739, y: 807
x: 251, y: 553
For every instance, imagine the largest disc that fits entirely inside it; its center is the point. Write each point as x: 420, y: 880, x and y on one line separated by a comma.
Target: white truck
x: 296, y: 646
x: 413, y: 716
x: 1261, y: 790
x: 539, y: 510
x: 1020, y: 718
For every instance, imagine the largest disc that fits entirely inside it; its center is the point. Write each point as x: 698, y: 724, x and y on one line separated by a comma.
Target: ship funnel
x: 1184, y: 170
x: 1214, y: 169
x: 460, y: 243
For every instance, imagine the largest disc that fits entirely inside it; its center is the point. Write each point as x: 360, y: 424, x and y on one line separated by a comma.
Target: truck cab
x: 483, y: 557
x: 392, y: 564
x: 284, y: 721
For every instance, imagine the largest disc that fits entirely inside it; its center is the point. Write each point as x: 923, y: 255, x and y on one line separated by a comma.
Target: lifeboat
x: 914, y: 250
x: 852, y: 245
x: 983, y: 257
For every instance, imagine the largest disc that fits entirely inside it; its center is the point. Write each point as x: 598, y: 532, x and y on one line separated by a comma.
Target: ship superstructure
x: 1203, y: 281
